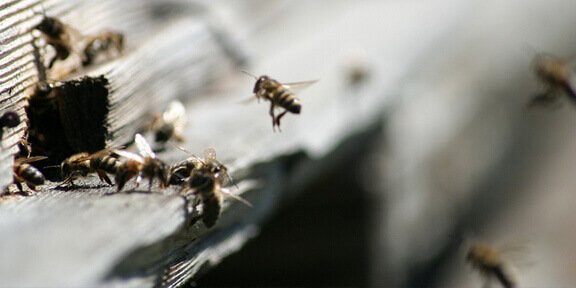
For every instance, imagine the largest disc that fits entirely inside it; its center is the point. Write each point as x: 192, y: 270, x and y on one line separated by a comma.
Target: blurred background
x: 457, y: 156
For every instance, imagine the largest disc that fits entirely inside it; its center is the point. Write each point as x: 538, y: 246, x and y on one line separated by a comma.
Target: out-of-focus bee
x: 557, y: 74
x: 9, y: 119
x: 82, y: 164
x: 279, y: 95
x: 169, y: 125
x: 58, y: 35
x: 145, y: 165
x: 490, y: 263
x: 103, y: 43
x: 24, y: 172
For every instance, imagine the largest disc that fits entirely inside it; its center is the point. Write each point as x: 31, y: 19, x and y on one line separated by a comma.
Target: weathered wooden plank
x: 146, y: 239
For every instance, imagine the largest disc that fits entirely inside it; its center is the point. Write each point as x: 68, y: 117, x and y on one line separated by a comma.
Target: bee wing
x: 236, y: 197
x: 143, y: 146
x: 299, y: 86
x: 129, y: 155
x: 30, y: 159
x: 175, y: 112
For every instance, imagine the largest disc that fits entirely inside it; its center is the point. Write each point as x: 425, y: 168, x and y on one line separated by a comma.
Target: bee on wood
x: 490, y: 263
x: 145, y: 165
x: 557, y: 75
x: 279, y: 94
x: 103, y: 43
x: 205, y: 180
x: 183, y: 169
x: 59, y: 36
x: 26, y: 173
x: 169, y: 125
x: 9, y: 119
x: 83, y: 164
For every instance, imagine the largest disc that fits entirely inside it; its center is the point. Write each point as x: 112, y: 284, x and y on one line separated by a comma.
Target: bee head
x: 260, y: 82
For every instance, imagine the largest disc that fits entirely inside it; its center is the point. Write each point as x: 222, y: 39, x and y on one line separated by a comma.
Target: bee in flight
x: 205, y: 179
x: 170, y: 124
x: 145, y: 165
x: 83, y: 164
x: 107, y: 42
x: 557, y: 74
x: 279, y: 94
x: 26, y: 173
x: 490, y: 263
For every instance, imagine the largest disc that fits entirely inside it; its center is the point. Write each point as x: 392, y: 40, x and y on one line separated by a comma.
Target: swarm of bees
x: 489, y: 262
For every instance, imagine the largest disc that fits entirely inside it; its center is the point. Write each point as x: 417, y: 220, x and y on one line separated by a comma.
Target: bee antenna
x: 51, y: 166
x: 250, y: 74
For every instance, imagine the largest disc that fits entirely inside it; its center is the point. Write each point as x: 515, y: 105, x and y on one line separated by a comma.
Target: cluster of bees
x: 202, y: 177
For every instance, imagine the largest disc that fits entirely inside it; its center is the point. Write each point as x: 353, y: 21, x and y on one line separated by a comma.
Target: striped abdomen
x: 108, y: 164
x: 208, y: 188
x: 29, y: 174
x: 287, y: 100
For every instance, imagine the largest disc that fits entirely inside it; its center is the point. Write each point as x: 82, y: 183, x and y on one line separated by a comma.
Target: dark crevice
x: 67, y: 118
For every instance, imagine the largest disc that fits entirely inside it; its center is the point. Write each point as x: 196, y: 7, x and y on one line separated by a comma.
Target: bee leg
x: 19, y: 186
x: 103, y: 177
x: 280, y: 117
x: 150, y: 184
x: 273, y: 117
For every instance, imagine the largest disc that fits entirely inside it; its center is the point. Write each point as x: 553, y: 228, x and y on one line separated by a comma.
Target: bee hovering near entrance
x: 145, y: 165
x: 280, y: 95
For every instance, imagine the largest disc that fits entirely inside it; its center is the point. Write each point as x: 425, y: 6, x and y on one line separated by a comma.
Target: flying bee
x: 557, y: 75
x: 145, y: 165
x: 59, y: 36
x: 490, y: 263
x: 279, y: 95
x: 83, y: 164
x: 103, y: 43
x: 169, y: 125
x: 24, y: 172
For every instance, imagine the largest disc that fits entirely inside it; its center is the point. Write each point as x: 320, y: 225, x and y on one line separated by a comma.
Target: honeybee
x: 279, y: 95
x: 82, y: 164
x: 107, y: 42
x: 557, y: 75
x: 145, y: 165
x: 169, y: 125
x: 24, y: 172
x: 58, y: 35
x: 183, y: 169
x: 489, y: 262
x: 205, y: 180
x: 9, y: 119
